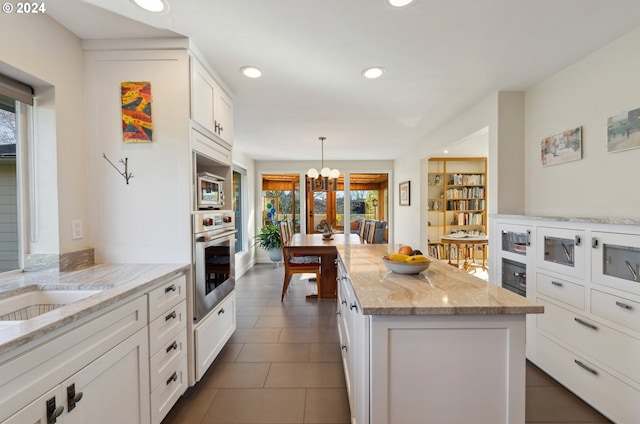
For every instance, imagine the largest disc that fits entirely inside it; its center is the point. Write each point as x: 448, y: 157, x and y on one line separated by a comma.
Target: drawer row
x: 616, y: 309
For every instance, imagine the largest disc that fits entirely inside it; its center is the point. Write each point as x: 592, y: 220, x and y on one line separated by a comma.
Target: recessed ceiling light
x: 373, y: 72
x: 400, y: 3
x: 446, y: 151
x: 251, y: 72
x: 151, y: 5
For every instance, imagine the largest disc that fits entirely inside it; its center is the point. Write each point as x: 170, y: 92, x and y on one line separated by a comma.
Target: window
x: 238, y: 206
x: 10, y: 239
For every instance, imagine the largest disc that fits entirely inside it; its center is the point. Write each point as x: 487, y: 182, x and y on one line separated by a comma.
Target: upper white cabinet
x: 211, y: 107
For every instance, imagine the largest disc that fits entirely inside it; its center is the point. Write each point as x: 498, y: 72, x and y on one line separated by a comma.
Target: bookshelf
x: 456, y: 199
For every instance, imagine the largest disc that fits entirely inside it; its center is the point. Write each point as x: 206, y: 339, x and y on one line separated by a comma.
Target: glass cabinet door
x: 615, y: 260
x: 515, y: 242
x: 561, y: 250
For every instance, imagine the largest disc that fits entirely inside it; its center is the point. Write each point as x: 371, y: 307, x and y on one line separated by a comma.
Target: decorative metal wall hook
x: 125, y: 174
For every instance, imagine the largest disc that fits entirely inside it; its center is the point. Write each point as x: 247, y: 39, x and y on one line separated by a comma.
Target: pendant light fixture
x: 325, y: 173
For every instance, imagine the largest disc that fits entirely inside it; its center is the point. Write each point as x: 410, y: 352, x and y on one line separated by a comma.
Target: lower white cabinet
x: 167, y: 346
x: 430, y: 368
x: 109, y: 389
x: 354, y: 336
x: 212, y: 332
x: 587, y: 278
x: 96, y: 373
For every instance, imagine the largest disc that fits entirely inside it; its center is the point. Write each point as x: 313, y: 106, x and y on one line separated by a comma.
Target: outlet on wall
x: 76, y: 229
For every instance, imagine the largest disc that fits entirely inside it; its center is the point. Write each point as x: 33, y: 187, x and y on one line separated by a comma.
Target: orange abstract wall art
x: 136, y: 112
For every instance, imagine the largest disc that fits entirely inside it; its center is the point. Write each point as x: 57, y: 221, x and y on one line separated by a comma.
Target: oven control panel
x: 205, y: 221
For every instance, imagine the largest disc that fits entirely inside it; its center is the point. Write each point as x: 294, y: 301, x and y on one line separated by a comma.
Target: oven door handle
x: 212, y: 240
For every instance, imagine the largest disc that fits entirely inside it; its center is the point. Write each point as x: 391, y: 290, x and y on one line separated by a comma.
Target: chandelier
x: 325, y: 173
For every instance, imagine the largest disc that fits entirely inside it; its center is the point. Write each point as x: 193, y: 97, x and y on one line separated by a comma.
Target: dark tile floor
x: 282, y: 365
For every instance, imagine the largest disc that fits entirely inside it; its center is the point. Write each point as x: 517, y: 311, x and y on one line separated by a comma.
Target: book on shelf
x: 466, y: 179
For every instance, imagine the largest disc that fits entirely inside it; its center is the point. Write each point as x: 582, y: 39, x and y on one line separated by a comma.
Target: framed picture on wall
x: 563, y: 147
x: 405, y: 193
x: 623, y: 131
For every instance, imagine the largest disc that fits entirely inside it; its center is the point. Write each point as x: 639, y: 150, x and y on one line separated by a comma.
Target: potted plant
x: 269, y: 240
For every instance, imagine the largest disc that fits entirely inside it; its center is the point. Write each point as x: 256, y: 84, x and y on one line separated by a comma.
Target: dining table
x: 326, y: 249
x: 466, y: 245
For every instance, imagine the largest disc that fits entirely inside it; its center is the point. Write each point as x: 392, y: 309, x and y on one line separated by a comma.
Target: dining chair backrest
x: 284, y: 232
x: 362, y: 229
x: 371, y: 232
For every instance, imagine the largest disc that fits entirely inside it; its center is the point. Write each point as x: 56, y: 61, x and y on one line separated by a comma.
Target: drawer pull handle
x: 172, y: 315
x: 344, y: 302
x: 585, y: 367
x: 353, y: 306
x: 528, y: 237
x: 221, y: 311
x: 174, y: 377
x: 594, y: 243
x: 73, y: 397
x: 345, y: 348
x: 172, y: 287
x: 557, y: 284
x: 585, y: 323
x: 578, y: 241
x: 624, y: 305
x: 173, y: 346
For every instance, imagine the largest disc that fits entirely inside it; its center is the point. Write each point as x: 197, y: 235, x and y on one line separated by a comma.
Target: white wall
x: 39, y: 51
x: 585, y: 94
x: 149, y: 219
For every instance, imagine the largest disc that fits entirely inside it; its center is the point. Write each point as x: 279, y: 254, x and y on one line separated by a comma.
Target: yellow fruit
x: 398, y: 257
x: 416, y: 259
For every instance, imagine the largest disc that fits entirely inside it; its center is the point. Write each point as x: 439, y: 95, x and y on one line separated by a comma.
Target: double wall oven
x: 214, y: 264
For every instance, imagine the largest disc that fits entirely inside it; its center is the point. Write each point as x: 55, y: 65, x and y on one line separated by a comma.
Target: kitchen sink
x: 27, y: 305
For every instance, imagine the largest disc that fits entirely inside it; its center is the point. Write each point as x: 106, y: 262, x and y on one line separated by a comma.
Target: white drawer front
x: 592, y: 338
x: 612, y: 397
x: 166, y: 296
x: 564, y: 291
x: 169, y: 391
x: 616, y: 309
x: 213, y: 332
x: 168, y: 357
x: 167, y: 326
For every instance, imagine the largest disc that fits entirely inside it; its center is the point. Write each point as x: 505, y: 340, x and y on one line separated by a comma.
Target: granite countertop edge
x: 115, y: 283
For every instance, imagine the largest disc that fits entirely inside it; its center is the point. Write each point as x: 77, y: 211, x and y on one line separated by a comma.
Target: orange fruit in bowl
x: 405, y: 250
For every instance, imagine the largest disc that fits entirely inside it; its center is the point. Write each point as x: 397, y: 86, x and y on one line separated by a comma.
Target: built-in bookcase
x: 457, y: 199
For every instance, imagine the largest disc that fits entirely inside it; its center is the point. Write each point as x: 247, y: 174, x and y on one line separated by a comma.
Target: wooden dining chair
x: 371, y: 232
x: 363, y: 225
x: 295, y: 263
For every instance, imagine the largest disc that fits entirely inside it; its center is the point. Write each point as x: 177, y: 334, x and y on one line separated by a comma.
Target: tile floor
x: 282, y: 365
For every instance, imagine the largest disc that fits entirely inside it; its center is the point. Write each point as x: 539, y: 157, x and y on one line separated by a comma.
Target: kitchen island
x: 439, y: 347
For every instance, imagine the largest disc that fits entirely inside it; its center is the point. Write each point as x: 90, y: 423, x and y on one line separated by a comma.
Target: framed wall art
x: 623, y: 131
x: 563, y: 147
x: 405, y: 193
x: 136, y: 112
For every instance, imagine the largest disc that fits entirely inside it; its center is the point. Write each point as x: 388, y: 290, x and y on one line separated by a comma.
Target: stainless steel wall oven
x: 214, y: 259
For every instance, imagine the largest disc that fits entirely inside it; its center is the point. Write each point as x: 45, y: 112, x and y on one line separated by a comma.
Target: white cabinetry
x: 353, y: 332
x: 104, y: 360
x: 167, y: 346
x: 212, y: 332
x: 211, y: 107
x: 589, y: 335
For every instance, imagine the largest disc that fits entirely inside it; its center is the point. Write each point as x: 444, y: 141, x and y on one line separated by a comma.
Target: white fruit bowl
x: 405, y: 268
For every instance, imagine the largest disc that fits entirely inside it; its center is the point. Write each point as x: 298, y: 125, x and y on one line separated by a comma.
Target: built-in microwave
x: 209, y: 191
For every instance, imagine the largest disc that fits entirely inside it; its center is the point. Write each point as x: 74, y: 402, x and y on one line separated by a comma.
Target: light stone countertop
x: 588, y: 220
x: 440, y: 290
x: 116, y: 282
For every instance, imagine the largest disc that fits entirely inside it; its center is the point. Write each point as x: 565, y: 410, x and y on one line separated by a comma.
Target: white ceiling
x: 440, y: 56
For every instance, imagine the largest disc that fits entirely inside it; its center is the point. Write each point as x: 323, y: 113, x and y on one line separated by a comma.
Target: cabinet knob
x: 594, y: 243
